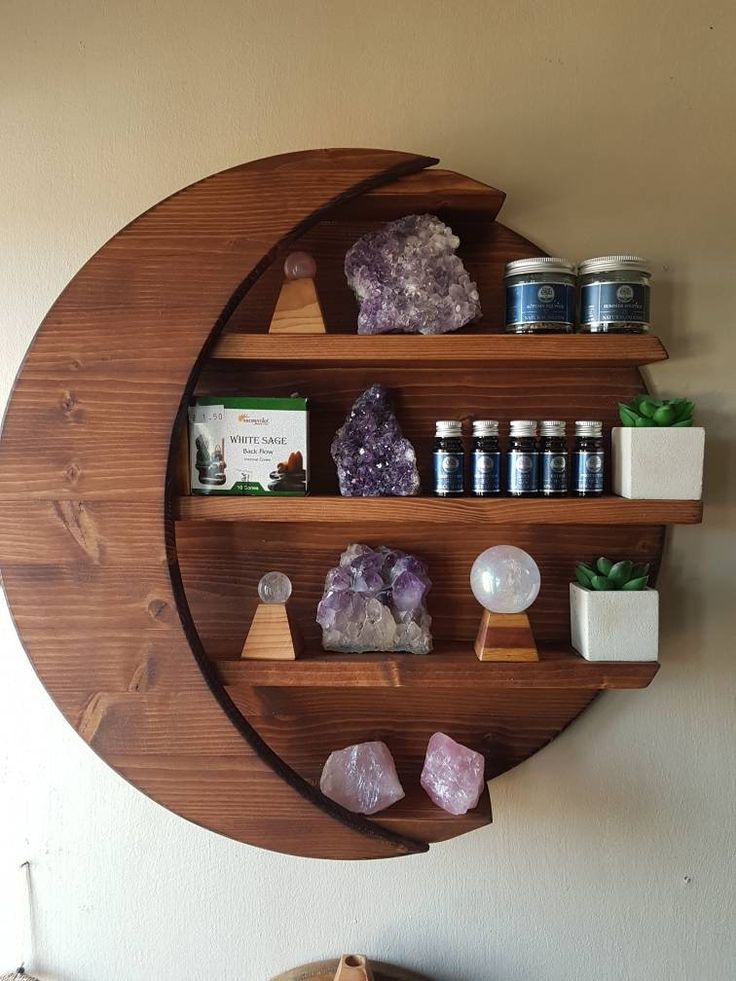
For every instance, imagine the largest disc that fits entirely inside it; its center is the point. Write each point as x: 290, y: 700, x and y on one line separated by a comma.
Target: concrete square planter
x: 658, y: 463
x: 615, y: 625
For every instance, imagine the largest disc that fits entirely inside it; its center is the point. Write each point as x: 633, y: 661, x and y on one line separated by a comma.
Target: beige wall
x: 610, y: 125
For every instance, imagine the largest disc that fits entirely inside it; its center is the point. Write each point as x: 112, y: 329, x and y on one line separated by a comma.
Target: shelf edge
x: 429, y: 510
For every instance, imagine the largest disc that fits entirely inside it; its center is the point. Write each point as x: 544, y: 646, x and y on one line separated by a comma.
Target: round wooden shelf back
x: 125, y: 619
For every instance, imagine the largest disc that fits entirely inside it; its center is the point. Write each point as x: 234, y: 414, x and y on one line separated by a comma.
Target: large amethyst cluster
x: 374, y: 601
x: 372, y: 457
x: 407, y: 277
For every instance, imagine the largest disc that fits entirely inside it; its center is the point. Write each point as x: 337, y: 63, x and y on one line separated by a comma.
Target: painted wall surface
x: 610, y: 125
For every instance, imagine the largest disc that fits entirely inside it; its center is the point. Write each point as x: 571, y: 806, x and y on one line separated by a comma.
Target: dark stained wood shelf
x: 434, y: 510
x: 417, y: 817
x: 131, y: 624
x: 451, y: 349
x: 450, y: 667
x: 440, y: 191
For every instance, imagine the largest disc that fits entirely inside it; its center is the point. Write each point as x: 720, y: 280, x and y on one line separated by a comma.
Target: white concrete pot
x: 658, y: 463
x: 615, y: 625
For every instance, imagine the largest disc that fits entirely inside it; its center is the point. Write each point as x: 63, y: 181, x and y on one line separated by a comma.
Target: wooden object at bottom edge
x: 354, y: 967
x: 505, y: 637
x: 325, y: 971
x: 271, y: 636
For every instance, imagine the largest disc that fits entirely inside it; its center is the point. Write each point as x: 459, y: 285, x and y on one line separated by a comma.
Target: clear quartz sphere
x: 505, y: 579
x: 274, y: 587
x: 300, y: 265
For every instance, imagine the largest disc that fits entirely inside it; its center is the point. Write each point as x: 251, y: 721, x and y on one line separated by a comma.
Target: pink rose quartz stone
x: 453, y: 775
x: 362, y: 778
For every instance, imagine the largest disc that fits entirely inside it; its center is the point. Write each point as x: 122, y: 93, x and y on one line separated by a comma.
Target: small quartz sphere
x: 274, y: 587
x: 300, y: 265
x: 505, y: 579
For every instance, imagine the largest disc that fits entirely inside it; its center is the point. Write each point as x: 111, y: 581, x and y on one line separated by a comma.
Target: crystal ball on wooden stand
x: 505, y: 580
x: 271, y: 636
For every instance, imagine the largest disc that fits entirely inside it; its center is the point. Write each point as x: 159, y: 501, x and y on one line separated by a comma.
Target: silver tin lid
x: 552, y: 427
x: 615, y: 263
x: 588, y: 427
x: 448, y: 427
x: 523, y: 427
x: 485, y: 427
x: 540, y: 264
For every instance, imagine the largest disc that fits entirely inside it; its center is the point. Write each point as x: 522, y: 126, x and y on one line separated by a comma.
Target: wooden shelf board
x: 433, y: 510
x: 435, y: 190
x: 416, y: 816
x: 454, y: 668
x: 450, y: 349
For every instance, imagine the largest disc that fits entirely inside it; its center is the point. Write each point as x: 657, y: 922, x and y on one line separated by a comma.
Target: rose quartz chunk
x: 453, y: 775
x: 362, y: 778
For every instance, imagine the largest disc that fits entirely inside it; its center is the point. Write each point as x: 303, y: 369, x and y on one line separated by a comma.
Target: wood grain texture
x: 608, y: 510
x: 443, y: 192
x: 95, y: 406
x: 444, y: 668
x: 505, y: 637
x: 505, y: 725
x: 297, y: 310
x: 469, y: 349
x: 270, y: 635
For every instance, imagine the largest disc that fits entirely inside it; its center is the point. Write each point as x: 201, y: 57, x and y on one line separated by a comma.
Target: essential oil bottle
x: 555, y: 473
x: 485, y: 460
x: 522, y: 459
x: 449, y: 458
x: 589, y: 459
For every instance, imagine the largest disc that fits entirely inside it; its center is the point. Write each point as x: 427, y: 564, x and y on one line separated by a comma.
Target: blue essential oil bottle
x: 485, y: 459
x: 553, y: 459
x: 522, y: 459
x: 589, y: 460
x: 449, y: 459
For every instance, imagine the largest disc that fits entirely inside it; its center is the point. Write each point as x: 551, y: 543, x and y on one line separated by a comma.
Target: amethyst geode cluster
x: 372, y: 457
x: 407, y: 277
x: 374, y: 601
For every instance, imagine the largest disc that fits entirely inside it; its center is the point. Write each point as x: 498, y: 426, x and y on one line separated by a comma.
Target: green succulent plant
x: 643, y: 410
x: 606, y: 575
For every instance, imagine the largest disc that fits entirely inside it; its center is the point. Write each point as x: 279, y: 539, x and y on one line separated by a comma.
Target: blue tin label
x: 589, y: 471
x: 486, y: 472
x: 554, y: 472
x: 529, y: 303
x: 521, y: 475
x: 614, y: 302
x: 449, y: 471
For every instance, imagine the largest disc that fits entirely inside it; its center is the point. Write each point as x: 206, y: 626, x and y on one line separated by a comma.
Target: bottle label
x: 448, y: 472
x: 486, y: 472
x: 614, y: 303
x: 522, y: 472
x: 589, y: 471
x: 554, y: 472
x: 528, y: 303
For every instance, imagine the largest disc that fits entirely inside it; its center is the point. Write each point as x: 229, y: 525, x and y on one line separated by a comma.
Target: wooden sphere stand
x: 505, y: 637
x: 132, y: 598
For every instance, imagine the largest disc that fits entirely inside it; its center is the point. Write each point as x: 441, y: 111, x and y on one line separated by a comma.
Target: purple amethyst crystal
x: 373, y: 459
x: 382, y: 608
x: 407, y: 277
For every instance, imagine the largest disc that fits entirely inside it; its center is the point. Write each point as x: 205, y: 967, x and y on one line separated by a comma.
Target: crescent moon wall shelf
x: 132, y: 599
